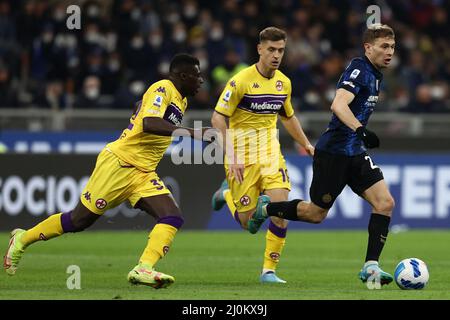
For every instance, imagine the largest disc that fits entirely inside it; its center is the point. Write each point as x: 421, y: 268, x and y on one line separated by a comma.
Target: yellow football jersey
x: 141, y: 149
x: 252, y: 103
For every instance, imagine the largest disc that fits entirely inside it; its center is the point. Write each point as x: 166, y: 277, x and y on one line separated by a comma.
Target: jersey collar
x: 257, y: 70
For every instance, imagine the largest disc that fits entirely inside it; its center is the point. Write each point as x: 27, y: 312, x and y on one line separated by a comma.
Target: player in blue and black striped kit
x: 341, y: 154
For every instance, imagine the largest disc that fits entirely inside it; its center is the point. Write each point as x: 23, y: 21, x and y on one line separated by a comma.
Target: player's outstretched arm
x: 161, y: 127
x: 294, y: 128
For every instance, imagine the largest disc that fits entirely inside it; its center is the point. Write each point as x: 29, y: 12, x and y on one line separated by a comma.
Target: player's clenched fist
x: 368, y: 137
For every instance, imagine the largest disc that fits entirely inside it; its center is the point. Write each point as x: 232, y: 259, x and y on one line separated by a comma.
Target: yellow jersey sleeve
x: 287, y: 110
x: 155, y: 102
x: 230, y: 97
x: 142, y: 149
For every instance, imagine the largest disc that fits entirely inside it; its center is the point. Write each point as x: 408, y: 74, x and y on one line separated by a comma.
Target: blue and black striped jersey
x: 363, y: 80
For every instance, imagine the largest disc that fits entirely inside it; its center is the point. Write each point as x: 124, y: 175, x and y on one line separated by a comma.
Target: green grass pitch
x: 224, y: 266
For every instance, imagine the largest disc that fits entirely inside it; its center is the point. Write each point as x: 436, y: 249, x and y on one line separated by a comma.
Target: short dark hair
x: 181, y: 60
x: 272, y: 34
x: 377, y: 30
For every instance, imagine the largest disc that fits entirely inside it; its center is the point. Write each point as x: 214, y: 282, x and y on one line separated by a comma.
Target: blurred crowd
x: 125, y: 45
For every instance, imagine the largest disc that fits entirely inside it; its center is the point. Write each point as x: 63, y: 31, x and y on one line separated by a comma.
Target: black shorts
x: 331, y: 172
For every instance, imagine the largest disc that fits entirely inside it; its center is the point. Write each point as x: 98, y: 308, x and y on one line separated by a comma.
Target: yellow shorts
x: 114, y: 181
x: 257, y: 179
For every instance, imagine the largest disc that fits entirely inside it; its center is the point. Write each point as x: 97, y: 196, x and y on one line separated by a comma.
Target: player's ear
x: 367, y: 46
x: 183, y: 76
x: 259, y: 48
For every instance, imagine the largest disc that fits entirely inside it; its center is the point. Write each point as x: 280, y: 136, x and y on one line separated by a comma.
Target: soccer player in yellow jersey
x: 251, y: 102
x: 125, y: 170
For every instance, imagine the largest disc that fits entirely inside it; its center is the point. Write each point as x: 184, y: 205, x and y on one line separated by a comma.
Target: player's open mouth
x: 387, y: 61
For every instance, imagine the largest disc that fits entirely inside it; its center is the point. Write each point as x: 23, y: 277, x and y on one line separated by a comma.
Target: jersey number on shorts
x: 284, y: 174
x: 157, y: 184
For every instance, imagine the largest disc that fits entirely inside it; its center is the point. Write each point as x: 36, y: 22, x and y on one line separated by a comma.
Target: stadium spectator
x: 37, y: 48
x: 90, y: 96
x: 8, y: 90
x: 223, y: 72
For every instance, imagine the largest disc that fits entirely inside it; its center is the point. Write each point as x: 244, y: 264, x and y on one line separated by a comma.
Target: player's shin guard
x: 378, y: 231
x: 275, y: 240
x: 53, y: 226
x: 160, y: 239
x: 284, y: 209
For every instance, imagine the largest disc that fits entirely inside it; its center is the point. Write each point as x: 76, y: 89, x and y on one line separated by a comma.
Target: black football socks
x: 378, y: 231
x: 284, y: 209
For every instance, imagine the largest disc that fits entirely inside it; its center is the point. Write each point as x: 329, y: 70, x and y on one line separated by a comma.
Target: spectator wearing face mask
x: 94, y: 64
x: 90, y: 96
x: 216, y: 44
x: 136, y: 56
x: 128, y: 94
x: 41, y: 53
x: 113, y: 72
x: 52, y: 95
x: 190, y: 13
x: 92, y: 12
x: 156, y: 46
x: 178, y: 38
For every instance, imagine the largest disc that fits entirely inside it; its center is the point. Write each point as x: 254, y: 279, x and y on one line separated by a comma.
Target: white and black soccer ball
x: 411, y: 273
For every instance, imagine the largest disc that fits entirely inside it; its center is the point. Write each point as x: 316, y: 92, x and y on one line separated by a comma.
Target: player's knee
x: 243, y: 220
x: 391, y: 204
x: 318, y: 216
x: 316, y: 219
x: 385, y: 205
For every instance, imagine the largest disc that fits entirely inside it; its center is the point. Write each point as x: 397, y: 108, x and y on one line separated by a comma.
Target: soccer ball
x: 411, y: 273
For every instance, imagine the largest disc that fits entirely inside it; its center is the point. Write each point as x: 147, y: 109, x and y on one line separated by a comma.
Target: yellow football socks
x: 159, y: 241
x: 47, y: 229
x: 274, y: 246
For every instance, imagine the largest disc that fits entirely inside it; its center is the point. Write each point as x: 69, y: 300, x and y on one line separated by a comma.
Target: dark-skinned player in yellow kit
x: 125, y: 170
